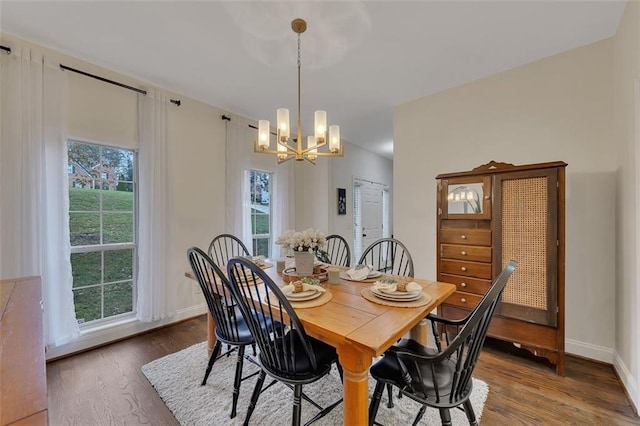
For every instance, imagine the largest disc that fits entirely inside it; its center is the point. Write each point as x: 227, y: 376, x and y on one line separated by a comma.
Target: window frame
x: 269, y: 236
x: 103, y: 248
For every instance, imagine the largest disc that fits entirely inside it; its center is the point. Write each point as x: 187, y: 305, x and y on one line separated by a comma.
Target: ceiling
x: 359, y: 58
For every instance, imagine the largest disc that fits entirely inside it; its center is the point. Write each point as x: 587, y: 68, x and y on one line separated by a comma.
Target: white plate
x: 289, y: 294
x: 374, y: 274
x: 397, y: 296
x: 296, y: 298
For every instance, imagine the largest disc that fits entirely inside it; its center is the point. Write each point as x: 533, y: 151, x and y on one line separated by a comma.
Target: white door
x: 368, y: 217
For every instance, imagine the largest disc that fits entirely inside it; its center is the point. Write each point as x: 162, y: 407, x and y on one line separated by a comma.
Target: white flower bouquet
x: 307, y: 240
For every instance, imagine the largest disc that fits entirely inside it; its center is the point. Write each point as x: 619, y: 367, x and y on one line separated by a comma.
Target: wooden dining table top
x: 360, y: 330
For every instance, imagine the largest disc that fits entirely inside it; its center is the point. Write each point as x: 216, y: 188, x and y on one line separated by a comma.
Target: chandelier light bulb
x: 320, y: 118
x: 334, y: 138
x: 282, y: 114
x: 263, y: 134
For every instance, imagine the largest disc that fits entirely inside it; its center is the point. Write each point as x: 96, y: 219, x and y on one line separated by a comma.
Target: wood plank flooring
x: 105, y: 386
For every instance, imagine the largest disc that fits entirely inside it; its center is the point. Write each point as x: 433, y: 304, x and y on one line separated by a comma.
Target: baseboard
x: 628, y: 382
x: 120, y: 331
x: 587, y: 350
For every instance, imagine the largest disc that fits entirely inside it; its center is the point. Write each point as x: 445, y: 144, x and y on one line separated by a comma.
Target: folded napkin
x: 360, y: 272
x: 288, y: 289
x: 386, y: 287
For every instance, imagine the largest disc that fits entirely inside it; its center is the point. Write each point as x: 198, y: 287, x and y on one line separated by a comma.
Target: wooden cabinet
x: 490, y: 215
x: 23, y: 379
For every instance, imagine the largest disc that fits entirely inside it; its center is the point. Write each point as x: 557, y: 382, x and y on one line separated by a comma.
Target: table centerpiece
x: 304, y: 245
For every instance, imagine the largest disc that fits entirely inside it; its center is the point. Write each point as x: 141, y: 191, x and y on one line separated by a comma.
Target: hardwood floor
x: 106, y: 386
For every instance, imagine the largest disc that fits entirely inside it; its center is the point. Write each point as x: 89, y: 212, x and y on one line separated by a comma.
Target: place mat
x: 249, y: 280
x: 313, y: 303
x: 368, y: 294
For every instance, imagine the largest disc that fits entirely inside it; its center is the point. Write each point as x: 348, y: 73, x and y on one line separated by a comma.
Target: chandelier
x: 285, y: 149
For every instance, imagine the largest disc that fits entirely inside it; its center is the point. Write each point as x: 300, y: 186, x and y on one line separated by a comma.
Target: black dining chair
x: 337, y: 250
x: 440, y: 378
x: 231, y: 327
x: 224, y: 247
x: 293, y: 358
x: 389, y: 256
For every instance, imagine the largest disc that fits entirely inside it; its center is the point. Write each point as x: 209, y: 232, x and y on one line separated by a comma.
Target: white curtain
x: 240, y: 159
x: 237, y: 192
x: 156, y: 290
x: 34, y: 197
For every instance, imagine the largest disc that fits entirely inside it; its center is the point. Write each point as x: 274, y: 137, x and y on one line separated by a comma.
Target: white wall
x: 558, y: 108
x: 316, y: 189
x: 626, y: 113
x: 107, y: 114
x: 357, y: 163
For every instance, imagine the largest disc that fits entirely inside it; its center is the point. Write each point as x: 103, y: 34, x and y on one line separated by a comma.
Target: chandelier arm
x: 339, y: 153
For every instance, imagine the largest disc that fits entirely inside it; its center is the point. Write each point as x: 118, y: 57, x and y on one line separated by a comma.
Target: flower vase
x: 304, y: 262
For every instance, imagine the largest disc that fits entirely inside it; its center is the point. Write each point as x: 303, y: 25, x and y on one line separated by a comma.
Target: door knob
x: 364, y: 235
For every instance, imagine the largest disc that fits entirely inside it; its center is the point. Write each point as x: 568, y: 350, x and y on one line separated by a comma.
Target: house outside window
x: 260, y: 192
x: 103, y: 234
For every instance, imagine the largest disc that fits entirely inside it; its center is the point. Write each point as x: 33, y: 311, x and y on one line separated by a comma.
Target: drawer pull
x: 463, y: 284
x: 463, y: 300
x: 464, y: 253
x: 464, y: 237
x: 463, y: 269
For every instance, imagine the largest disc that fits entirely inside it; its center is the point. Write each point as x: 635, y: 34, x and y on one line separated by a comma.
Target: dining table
x: 359, y: 329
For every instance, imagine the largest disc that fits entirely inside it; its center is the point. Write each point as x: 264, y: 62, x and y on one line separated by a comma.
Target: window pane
x: 88, y: 303
x: 83, y: 198
x: 261, y: 247
x: 113, y: 199
x: 84, y: 228
x: 125, y: 186
x: 262, y: 223
x: 118, y: 265
x: 117, y: 228
x: 118, y: 298
x: 86, y: 156
x: 86, y: 268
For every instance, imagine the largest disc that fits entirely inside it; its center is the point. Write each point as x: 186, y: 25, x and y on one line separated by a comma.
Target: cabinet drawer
x: 467, y: 269
x: 463, y: 300
x: 466, y: 284
x: 474, y: 237
x: 473, y: 253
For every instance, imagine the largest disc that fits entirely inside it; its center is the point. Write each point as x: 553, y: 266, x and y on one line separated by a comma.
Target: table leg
x: 355, y: 365
x: 211, y: 333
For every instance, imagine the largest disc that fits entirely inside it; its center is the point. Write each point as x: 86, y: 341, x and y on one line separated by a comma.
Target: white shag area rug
x: 177, y: 379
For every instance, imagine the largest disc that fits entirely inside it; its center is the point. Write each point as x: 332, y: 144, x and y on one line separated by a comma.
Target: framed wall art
x: 342, y: 201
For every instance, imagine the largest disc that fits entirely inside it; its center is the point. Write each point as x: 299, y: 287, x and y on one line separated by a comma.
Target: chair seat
x: 244, y: 336
x: 300, y: 369
x: 388, y: 370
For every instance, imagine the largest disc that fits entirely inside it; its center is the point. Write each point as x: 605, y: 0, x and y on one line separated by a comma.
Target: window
x: 105, y: 175
x: 260, y: 191
x: 70, y: 168
x: 102, y: 225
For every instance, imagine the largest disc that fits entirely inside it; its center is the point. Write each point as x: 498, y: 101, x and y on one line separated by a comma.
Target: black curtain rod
x: 106, y: 80
x: 224, y: 117
x: 6, y: 49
